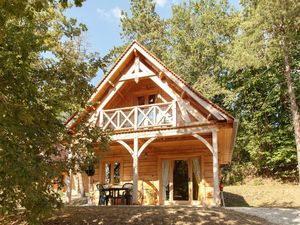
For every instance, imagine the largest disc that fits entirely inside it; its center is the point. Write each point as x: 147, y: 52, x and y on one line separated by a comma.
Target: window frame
x: 112, y: 173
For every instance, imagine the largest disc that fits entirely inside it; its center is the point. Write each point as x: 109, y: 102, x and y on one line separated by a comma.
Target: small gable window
x: 141, y: 100
x: 151, y: 99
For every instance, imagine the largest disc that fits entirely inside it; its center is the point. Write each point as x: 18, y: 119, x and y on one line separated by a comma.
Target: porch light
x: 146, y: 155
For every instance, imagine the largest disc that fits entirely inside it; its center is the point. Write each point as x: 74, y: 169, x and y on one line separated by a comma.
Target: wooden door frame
x: 171, y: 201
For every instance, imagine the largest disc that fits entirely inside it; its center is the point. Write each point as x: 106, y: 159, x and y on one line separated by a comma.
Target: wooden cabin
x: 168, y: 139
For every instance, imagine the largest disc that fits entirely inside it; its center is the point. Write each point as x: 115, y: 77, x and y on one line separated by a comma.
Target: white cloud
x: 117, y: 12
x: 161, y: 3
x: 103, y: 13
x: 110, y: 14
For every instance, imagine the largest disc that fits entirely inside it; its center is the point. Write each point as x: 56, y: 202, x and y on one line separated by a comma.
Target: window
x: 112, y: 172
x: 141, y: 100
x: 117, y: 176
x: 151, y: 99
x: 107, y: 172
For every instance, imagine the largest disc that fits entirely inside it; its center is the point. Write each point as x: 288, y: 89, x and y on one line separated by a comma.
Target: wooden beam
x: 137, y: 75
x: 161, y: 98
x: 145, y: 145
x: 113, y: 71
x: 198, y: 116
x: 163, y: 133
x: 184, y: 106
x: 183, y: 94
x: 218, y: 114
x: 110, y: 95
x: 136, y: 67
x: 125, y: 145
x: 173, y: 95
x: 161, y: 75
x: 135, y: 170
x: 215, y: 168
x: 111, y: 83
x: 204, y: 142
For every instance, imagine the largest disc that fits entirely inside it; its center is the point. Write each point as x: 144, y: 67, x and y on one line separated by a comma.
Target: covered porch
x: 166, y: 167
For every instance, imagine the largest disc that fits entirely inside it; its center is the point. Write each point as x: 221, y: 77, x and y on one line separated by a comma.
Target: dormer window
x: 151, y: 99
x: 141, y: 100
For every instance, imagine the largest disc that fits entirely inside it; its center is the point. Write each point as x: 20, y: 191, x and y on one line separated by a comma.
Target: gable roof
x: 214, y: 109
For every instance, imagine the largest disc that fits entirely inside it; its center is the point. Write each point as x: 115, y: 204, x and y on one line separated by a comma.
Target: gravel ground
x: 283, y: 216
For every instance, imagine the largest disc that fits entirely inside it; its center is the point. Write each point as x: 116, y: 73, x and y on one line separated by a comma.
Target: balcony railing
x: 139, y: 117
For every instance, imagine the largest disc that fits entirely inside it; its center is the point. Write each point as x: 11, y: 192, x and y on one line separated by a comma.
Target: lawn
x: 263, y: 193
x: 150, y: 215
x: 111, y: 215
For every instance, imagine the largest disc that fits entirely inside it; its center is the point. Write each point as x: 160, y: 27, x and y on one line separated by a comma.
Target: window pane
x: 117, y: 172
x: 107, y: 173
x: 151, y: 99
x: 141, y: 100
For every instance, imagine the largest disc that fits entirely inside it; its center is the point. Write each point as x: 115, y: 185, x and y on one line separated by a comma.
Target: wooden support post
x: 215, y: 168
x: 160, y: 185
x: 171, y: 184
x: 190, y: 184
x: 135, y: 169
x: 69, y: 182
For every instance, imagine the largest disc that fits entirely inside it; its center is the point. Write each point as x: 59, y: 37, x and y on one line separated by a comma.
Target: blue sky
x: 102, y: 19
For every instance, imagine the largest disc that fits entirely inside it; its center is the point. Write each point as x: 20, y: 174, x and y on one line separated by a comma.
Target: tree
x: 199, y: 32
x: 145, y: 26
x: 142, y: 24
x: 269, y: 36
x: 44, y: 77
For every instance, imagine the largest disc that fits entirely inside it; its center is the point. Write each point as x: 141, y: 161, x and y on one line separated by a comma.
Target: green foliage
x: 269, y: 34
x: 236, y: 173
x: 199, y: 34
x: 235, y: 59
x: 44, y: 76
x: 145, y: 26
x: 84, y: 141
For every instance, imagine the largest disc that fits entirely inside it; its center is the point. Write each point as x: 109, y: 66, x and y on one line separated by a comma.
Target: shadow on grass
x: 150, y: 215
x: 234, y: 200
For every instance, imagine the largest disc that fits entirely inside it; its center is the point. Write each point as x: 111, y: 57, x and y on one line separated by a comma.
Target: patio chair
x: 102, y: 195
x: 127, y: 195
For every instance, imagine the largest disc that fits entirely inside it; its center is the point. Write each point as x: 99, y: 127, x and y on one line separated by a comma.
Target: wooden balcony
x: 140, y: 117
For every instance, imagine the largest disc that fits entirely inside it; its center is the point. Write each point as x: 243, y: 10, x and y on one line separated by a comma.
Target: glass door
x: 181, y: 180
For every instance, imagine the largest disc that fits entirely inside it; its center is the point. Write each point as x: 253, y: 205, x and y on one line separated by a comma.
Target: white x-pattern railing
x: 138, y: 117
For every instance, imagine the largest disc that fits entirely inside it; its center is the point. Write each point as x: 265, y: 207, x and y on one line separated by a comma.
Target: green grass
x: 260, y: 192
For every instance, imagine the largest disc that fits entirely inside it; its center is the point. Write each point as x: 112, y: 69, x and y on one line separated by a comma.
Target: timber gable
x: 138, y: 72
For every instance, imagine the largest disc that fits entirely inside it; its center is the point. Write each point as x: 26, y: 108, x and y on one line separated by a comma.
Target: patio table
x: 116, y: 193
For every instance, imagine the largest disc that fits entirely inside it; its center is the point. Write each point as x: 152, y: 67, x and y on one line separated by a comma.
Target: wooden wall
x: 150, y: 163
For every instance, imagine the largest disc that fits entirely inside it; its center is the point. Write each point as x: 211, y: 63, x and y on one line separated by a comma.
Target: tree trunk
x: 294, y: 108
x: 81, y: 184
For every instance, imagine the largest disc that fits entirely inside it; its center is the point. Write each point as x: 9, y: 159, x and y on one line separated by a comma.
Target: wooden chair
x: 127, y: 195
x: 102, y: 195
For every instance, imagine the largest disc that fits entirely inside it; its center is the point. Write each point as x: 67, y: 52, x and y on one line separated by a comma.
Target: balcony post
x: 174, y: 113
x: 135, y: 118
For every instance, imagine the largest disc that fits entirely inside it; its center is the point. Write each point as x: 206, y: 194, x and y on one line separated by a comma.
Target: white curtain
x: 197, y: 172
x: 165, y: 177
